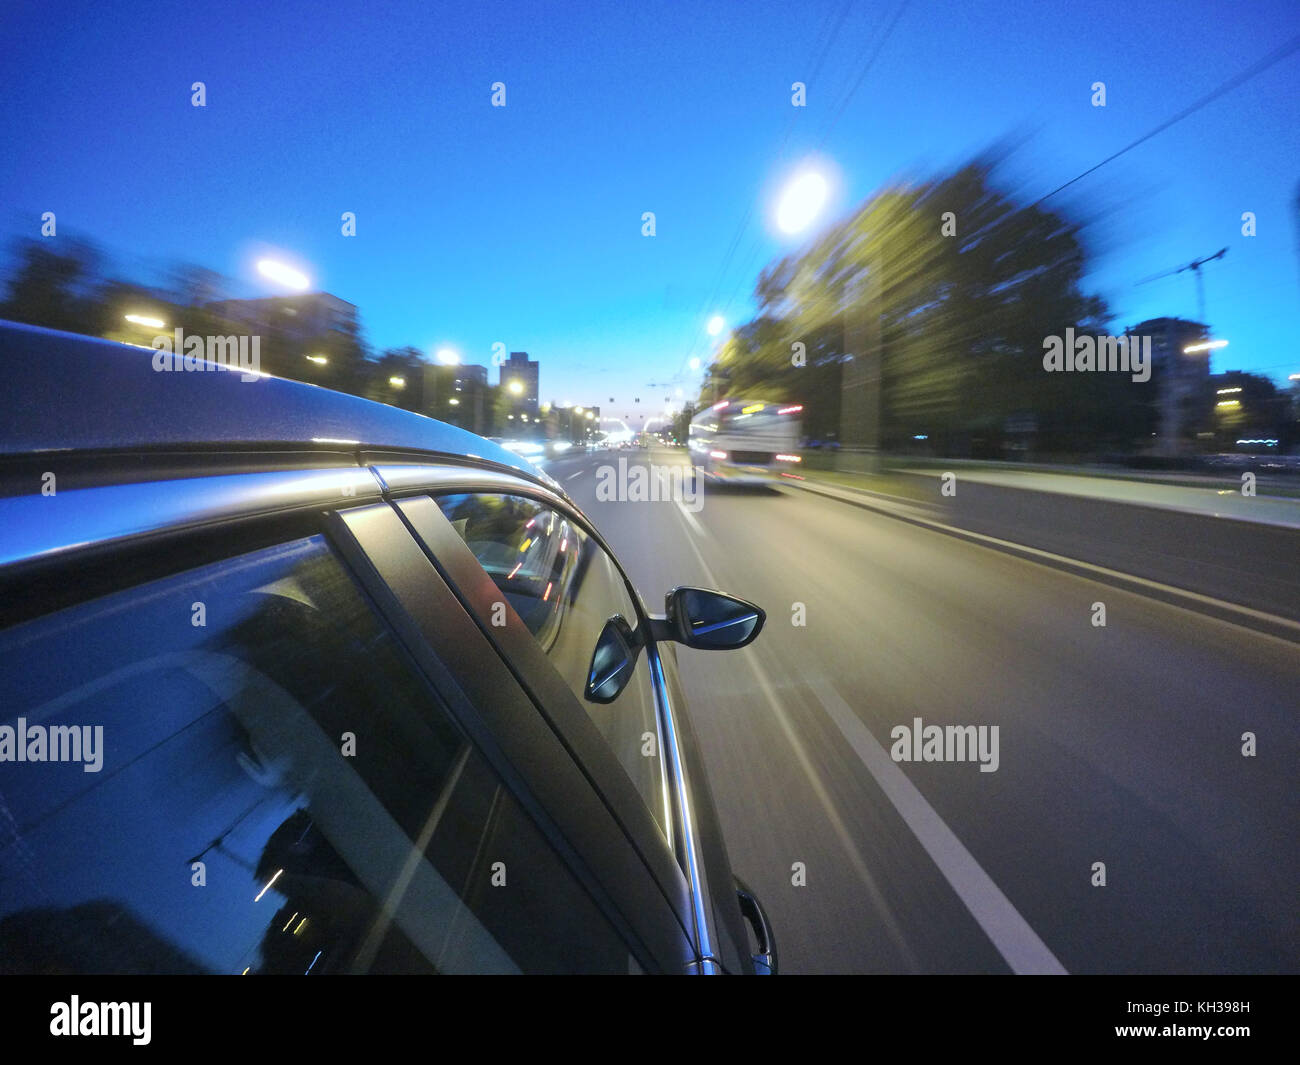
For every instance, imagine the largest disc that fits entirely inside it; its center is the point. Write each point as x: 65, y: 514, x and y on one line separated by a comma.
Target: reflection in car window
x: 565, y: 588
x: 277, y: 793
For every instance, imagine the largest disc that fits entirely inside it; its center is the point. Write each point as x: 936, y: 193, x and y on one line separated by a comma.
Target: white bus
x: 740, y: 440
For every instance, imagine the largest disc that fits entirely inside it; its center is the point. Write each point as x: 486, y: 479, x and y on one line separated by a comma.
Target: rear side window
x: 237, y: 770
x: 564, y: 587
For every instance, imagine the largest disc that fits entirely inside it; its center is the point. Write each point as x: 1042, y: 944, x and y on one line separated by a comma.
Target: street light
x: 282, y: 274
x: 397, y: 382
x: 320, y: 360
x: 143, y: 319
x: 801, y: 202
x: 1208, y: 345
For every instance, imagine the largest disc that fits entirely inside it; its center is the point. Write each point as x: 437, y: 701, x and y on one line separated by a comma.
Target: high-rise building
x: 468, y: 375
x: 1180, y: 378
x: 523, y: 370
x: 308, y: 337
x: 470, y: 387
x: 299, y: 318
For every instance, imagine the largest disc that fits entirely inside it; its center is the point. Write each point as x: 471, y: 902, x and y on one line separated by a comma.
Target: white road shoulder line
x: 1061, y: 563
x: 1010, y: 933
x: 691, y: 519
x: 880, y: 901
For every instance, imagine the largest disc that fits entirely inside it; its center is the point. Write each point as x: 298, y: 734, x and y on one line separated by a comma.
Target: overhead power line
x: 1246, y: 75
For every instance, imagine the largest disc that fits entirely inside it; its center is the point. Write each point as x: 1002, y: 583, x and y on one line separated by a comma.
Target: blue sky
x: 523, y: 224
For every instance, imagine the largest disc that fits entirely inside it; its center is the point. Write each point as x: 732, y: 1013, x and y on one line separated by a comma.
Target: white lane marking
x: 691, y: 520
x: 1008, y: 931
x: 891, y: 923
x: 1015, y: 940
x: 573, y: 475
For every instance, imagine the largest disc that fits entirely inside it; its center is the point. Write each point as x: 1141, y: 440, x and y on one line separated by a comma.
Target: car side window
x: 237, y: 769
x: 565, y: 588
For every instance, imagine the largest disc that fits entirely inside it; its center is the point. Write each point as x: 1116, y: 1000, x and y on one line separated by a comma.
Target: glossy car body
x: 170, y: 533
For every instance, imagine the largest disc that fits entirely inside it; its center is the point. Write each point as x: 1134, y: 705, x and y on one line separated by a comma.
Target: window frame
x: 514, y: 733
x: 205, y: 519
x: 669, y: 860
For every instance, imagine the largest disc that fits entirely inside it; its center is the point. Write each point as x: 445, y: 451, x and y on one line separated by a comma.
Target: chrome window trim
x: 425, y: 479
x: 37, y: 527
x: 399, y: 478
x: 702, y: 912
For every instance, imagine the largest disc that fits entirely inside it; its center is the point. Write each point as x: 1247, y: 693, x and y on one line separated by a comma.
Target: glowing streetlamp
x: 801, y: 202
x: 283, y: 274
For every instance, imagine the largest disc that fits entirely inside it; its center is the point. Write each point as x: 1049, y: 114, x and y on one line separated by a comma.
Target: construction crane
x: 1174, y: 393
x: 1195, y: 267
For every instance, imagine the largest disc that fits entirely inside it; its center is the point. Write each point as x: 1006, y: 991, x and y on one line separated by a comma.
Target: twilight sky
x: 522, y: 224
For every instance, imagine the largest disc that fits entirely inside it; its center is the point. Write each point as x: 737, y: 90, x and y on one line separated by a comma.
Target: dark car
x: 293, y: 682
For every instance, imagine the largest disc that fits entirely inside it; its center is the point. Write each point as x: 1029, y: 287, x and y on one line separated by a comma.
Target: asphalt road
x: 1119, y: 745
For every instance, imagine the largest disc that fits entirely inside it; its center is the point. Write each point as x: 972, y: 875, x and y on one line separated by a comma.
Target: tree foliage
x: 961, y: 285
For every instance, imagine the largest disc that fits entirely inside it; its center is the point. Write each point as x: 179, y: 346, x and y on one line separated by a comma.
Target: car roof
x: 67, y: 392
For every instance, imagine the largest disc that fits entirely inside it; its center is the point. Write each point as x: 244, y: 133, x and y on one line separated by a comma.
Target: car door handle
x: 765, y: 961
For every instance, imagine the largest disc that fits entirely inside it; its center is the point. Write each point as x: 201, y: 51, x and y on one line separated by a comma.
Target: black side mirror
x: 612, y: 662
x: 709, y: 620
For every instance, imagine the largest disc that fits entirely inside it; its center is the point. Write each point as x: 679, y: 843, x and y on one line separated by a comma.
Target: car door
x: 277, y: 767
x: 603, y: 840
x: 485, y: 534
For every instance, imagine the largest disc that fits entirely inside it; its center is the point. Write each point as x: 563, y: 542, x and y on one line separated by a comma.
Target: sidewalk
x: 923, y: 485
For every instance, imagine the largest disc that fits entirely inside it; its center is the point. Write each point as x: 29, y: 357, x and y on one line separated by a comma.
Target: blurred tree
x: 105, y: 315
x: 54, y: 284
x: 396, y: 378
x: 966, y: 285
